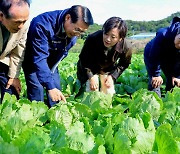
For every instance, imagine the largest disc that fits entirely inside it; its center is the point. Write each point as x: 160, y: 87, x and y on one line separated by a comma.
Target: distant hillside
x: 150, y: 26
x: 135, y: 27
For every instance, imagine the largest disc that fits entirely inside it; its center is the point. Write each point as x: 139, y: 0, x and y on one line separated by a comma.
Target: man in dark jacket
x: 163, y: 53
x: 50, y: 36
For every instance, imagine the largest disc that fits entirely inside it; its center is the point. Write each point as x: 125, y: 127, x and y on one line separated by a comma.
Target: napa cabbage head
x: 97, y: 101
x: 145, y: 101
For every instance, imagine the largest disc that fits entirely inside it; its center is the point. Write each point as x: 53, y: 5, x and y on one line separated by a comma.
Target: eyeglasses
x: 77, y: 31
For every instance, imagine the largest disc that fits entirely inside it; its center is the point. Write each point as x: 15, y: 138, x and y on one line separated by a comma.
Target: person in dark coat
x: 104, y: 56
x: 50, y: 36
x: 163, y: 53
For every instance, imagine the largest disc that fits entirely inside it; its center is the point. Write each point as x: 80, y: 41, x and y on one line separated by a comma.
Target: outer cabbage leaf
x: 164, y: 142
x: 78, y: 139
x: 97, y: 101
x: 145, y: 101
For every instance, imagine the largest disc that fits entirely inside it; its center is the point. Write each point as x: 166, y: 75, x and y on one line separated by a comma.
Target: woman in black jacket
x: 105, y: 55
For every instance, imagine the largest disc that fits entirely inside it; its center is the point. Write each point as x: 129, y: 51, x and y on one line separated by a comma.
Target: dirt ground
x: 138, y: 45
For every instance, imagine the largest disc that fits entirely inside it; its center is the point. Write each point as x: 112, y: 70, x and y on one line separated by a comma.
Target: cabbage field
x: 133, y: 121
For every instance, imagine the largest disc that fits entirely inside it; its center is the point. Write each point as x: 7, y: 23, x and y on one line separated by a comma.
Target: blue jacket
x: 46, y: 46
x: 161, y: 53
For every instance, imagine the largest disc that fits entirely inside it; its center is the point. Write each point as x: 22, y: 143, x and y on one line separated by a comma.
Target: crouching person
x: 104, y: 56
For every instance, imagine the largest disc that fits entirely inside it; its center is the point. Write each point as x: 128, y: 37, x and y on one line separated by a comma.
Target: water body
x: 142, y: 36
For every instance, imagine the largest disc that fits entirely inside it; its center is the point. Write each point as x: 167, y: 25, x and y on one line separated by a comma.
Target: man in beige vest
x: 13, y: 30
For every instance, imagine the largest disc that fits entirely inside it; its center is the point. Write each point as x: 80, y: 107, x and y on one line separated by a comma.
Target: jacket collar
x: 60, y: 23
x: 119, y: 47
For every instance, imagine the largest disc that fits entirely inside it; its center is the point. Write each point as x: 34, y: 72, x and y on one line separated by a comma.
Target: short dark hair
x: 77, y: 11
x: 5, y: 5
x: 115, y: 22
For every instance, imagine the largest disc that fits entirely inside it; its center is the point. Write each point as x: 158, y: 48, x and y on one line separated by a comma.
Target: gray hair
x: 5, y: 5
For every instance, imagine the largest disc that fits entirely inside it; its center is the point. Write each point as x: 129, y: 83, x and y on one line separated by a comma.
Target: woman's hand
x: 109, y: 81
x: 94, y: 83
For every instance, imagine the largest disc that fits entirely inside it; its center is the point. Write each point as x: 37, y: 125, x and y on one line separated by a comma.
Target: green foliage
x: 164, y: 142
x: 97, y: 101
x: 144, y: 101
x: 135, y: 27
x: 134, y: 120
x: 133, y: 78
x: 77, y: 47
x: 149, y: 26
x: 30, y: 127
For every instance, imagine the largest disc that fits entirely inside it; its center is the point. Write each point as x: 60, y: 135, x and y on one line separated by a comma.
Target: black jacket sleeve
x: 124, y: 61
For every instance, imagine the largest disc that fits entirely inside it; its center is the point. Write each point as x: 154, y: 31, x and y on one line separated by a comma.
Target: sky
x: 137, y: 10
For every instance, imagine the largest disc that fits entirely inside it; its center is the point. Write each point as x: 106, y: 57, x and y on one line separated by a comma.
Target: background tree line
x: 135, y: 27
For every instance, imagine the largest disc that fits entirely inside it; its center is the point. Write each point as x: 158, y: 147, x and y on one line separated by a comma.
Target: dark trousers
x: 167, y: 72
x: 3, y: 82
x: 35, y: 91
